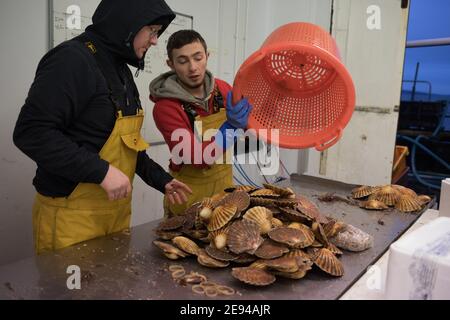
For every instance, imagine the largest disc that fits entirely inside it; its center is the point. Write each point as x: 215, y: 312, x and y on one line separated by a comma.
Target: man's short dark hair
x: 181, y: 38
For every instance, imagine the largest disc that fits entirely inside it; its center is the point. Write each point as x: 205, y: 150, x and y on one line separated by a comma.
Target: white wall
x: 23, y: 34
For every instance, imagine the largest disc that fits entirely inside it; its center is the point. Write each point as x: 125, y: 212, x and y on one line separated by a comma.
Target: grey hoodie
x: 167, y: 86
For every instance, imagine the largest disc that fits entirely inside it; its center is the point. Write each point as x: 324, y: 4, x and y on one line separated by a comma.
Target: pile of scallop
x: 262, y: 233
x: 383, y: 197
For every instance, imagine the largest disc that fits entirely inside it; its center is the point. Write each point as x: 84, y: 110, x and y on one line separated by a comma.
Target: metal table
x: 128, y: 266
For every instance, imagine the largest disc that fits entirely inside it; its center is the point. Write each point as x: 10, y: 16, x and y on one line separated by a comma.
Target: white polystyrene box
x: 419, y: 263
x: 444, y: 203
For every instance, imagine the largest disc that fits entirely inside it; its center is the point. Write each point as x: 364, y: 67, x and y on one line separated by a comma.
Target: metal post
x: 413, y: 93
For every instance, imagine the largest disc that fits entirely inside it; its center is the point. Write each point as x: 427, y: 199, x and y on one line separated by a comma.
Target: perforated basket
x: 298, y: 85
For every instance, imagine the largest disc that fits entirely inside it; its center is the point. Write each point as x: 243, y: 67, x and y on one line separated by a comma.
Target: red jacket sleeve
x: 169, y: 116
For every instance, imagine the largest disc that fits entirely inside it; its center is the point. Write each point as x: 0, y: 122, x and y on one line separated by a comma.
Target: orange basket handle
x: 254, y: 58
x: 330, y: 143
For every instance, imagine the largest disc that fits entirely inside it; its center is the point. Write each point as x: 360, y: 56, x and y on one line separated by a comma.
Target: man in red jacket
x: 189, y: 101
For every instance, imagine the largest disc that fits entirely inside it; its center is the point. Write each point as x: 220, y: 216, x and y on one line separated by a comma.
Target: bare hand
x: 116, y: 184
x: 177, y: 192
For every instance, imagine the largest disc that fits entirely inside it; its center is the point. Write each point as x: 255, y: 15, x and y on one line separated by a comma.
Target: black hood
x: 116, y: 23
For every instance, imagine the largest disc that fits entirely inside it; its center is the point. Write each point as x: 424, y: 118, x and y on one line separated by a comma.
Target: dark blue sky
x: 429, y: 19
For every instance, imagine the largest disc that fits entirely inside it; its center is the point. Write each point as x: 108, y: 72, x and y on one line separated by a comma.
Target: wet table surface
x: 128, y: 266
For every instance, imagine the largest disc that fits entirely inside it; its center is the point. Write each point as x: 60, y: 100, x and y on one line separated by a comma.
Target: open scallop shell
x: 298, y: 253
x: 294, y: 238
x: 219, y: 237
x: 327, y: 261
x: 283, y: 192
x: 205, y: 260
x: 221, y: 216
x: 197, y: 234
x: 253, y: 276
x: 406, y: 203
x: 373, y: 205
x: 363, y: 191
x: 220, y: 254
x: 185, y: 244
x: 304, y: 265
x: 270, y: 250
x: 169, y: 250
x: 261, y: 216
x: 244, y: 236
x: 335, y: 250
x: 386, y: 194
x: 206, y: 209
x: 172, y: 223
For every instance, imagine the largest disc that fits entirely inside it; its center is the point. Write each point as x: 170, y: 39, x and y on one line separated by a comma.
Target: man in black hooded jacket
x: 81, y: 124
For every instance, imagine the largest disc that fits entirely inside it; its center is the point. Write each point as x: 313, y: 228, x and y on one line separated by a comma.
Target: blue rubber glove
x: 237, y: 115
x: 226, y: 135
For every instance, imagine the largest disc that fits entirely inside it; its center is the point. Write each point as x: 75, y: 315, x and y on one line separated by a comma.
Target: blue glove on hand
x: 237, y: 115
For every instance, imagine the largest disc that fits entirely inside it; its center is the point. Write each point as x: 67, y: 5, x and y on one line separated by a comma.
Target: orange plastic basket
x: 298, y: 85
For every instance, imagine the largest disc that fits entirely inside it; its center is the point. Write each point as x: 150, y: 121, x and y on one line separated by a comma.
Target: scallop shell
x: 245, y: 258
x: 298, y: 253
x: 308, y: 208
x: 221, y: 216
x: 328, y: 262
x: 406, y: 203
x: 294, y: 215
x: 197, y: 234
x: 283, y: 264
x: 270, y: 249
x: 259, y: 201
x: 423, y: 199
x: 244, y: 236
x: 291, y: 203
x: 169, y: 250
x: 333, y: 227
x: 352, y: 239
x: 404, y: 191
x: 259, y: 264
x: 373, y: 205
x: 171, y: 223
x: 386, y: 194
x: 167, y: 235
x: 206, y: 209
x: 304, y: 265
x: 335, y: 250
x: 265, y: 193
x: 220, y: 254
x: 205, y: 260
x: 219, y: 237
x: 292, y: 237
x: 245, y: 188
x: 283, y: 192
x: 276, y: 222
x: 363, y: 191
x: 240, y: 199
x: 261, y: 216
x: 319, y: 233
x: 185, y: 244
x: 253, y: 276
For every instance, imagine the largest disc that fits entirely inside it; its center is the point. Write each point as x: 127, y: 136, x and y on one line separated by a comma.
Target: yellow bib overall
x: 203, y: 182
x: 87, y: 213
